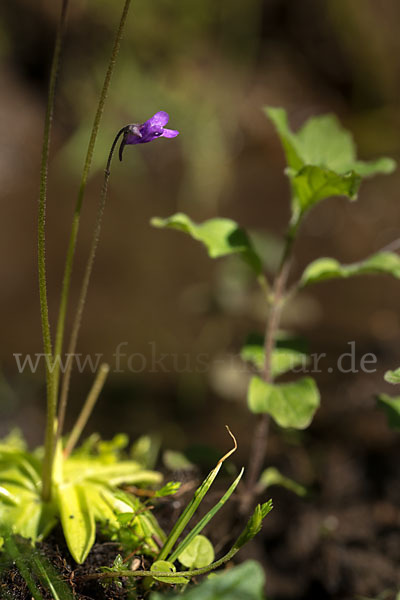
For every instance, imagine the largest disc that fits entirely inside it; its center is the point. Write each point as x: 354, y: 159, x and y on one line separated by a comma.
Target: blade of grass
x: 50, y: 579
x: 206, y: 519
x: 193, y: 504
x: 22, y: 561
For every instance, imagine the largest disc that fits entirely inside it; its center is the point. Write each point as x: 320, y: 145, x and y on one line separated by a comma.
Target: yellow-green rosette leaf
x: 77, y: 520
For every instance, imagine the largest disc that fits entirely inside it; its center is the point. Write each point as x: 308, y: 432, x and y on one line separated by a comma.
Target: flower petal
x: 159, y: 119
x: 170, y: 133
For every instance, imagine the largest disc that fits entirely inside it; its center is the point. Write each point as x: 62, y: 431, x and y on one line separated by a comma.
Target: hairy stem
x: 74, y: 232
x: 44, y: 311
x: 276, y: 302
x: 81, y: 305
x: 189, y: 573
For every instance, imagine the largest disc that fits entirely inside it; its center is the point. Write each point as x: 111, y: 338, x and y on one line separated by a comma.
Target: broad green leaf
x: 27, y: 516
x: 282, y: 359
x: 245, y: 582
x: 289, y: 140
x: 289, y: 404
x: 272, y: 476
x: 254, y: 524
x: 77, y: 520
x: 391, y: 407
x: 329, y: 268
x: 321, y: 159
x: 167, y: 567
x: 199, y: 553
x: 392, y: 376
x: 220, y: 236
x: 313, y: 184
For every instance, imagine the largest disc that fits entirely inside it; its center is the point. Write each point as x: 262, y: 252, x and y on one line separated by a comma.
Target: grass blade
x: 193, y: 504
x: 206, y: 519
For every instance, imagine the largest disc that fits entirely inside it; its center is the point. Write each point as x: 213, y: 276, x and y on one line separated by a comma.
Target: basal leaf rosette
x: 321, y: 161
x: 85, y: 492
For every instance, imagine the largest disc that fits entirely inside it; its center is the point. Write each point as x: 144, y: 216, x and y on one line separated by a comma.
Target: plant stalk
x: 44, y: 310
x: 189, y: 573
x: 74, y: 235
x: 276, y: 302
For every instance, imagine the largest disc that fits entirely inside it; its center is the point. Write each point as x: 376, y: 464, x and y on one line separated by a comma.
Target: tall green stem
x: 260, y: 438
x: 84, y: 289
x: 44, y: 311
x: 74, y: 235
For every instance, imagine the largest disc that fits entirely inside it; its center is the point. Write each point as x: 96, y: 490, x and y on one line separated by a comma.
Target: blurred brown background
x: 212, y: 66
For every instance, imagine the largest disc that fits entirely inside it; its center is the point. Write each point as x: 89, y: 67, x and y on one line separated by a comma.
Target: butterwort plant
x: 321, y: 162
x: 80, y: 487
x: 57, y: 482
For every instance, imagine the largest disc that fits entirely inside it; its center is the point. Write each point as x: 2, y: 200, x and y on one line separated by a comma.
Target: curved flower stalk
x: 148, y: 131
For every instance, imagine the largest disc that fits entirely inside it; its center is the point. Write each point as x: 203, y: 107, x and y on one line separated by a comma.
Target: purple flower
x: 148, y: 131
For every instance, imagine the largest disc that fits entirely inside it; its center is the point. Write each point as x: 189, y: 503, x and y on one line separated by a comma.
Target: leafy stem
x: 189, y: 573
x: 74, y: 234
x: 44, y: 311
x: 276, y: 302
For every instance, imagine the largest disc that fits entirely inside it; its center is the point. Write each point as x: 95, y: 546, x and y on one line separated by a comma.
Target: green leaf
x: 127, y: 471
x: 220, y: 236
x: 282, y: 359
x: 245, y: 582
x: 166, y: 567
x: 313, y: 184
x: 392, y: 376
x: 254, y: 524
x: 329, y: 268
x: 289, y: 140
x: 77, y: 520
x: 272, y: 476
x: 168, y: 489
x: 391, y: 406
x: 199, y: 553
x: 321, y: 159
x: 289, y: 404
